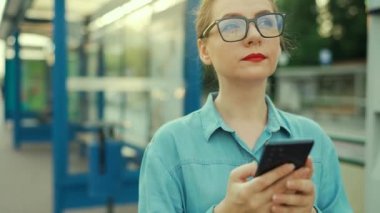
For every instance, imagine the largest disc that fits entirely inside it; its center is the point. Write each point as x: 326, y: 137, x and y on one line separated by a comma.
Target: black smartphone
x: 277, y: 153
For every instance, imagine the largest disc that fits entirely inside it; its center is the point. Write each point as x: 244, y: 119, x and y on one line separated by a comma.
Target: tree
x: 349, y: 35
x: 313, y: 25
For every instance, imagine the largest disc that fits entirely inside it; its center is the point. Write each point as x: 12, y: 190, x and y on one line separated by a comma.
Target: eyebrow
x: 232, y: 15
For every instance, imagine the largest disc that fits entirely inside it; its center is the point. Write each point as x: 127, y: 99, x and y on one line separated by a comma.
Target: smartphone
x: 277, y: 153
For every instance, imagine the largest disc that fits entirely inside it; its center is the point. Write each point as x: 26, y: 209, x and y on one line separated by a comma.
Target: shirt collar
x: 276, y: 120
x: 212, y: 120
x: 210, y: 117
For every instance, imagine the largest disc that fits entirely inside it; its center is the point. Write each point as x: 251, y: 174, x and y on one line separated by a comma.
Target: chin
x: 257, y: 73
x: 251, y: 78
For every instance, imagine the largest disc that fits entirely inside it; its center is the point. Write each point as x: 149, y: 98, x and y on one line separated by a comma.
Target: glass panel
x: 166, y: 65
x: 132, y: 52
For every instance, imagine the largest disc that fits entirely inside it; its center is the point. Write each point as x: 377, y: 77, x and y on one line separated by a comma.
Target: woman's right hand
x: 245, y: 194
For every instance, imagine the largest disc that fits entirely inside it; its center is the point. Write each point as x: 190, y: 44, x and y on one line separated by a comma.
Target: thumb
x: 241, y: 173
x: 309, y: 164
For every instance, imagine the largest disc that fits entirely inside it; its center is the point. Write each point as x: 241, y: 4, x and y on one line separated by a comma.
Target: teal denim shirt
x: 187, y: 164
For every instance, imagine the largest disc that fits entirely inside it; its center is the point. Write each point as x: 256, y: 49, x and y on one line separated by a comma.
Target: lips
x: 254, y: 57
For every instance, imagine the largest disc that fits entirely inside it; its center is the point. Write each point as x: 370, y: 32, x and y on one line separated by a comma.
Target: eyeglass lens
x: 234, y: 29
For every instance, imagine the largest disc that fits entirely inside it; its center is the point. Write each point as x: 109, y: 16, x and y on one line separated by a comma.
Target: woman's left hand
x: 302, y: 197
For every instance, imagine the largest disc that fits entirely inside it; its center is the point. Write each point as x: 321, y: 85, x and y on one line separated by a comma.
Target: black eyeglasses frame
x: 247, y: 21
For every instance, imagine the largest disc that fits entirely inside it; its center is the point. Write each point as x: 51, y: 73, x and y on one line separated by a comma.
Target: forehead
x: 247, y: 8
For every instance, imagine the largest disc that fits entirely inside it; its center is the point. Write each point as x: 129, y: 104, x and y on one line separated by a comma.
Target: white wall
x: 372, y: 165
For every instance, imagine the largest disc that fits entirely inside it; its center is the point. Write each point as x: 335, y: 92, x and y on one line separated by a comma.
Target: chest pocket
x: 205, y: 184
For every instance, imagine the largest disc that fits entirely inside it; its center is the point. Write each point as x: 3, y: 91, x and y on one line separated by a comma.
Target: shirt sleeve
x: 159, y: 190
x: 332, y: 197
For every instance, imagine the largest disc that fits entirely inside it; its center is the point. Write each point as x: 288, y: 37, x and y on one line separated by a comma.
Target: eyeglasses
x: 233, y: 29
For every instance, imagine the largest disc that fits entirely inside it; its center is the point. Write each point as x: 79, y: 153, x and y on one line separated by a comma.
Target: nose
x: 253, y: 35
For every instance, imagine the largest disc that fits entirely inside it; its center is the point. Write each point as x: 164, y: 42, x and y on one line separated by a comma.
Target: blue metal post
x: 60, y: 111
x: 100, y: 99
x: 8, y: 90
x: 192, y: 74
x: 17, y: 111
x: 83, y: 98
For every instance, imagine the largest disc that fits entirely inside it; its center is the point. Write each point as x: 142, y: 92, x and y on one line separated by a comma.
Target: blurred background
x: 116, y: 70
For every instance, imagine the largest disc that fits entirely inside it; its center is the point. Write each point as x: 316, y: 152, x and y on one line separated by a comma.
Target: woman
x: 206, y: 161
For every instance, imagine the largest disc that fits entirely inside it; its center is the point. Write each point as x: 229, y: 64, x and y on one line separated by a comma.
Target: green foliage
x: 350, y: 17
x: 34, y: 85
x: 346, y: 38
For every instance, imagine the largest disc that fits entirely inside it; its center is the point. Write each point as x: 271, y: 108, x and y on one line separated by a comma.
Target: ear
x: 203, y: 53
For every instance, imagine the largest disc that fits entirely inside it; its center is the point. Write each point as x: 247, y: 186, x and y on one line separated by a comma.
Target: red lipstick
x: 254, y: 57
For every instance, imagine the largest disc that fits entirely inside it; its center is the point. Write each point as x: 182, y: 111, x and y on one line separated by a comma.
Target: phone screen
x: 282, y: 152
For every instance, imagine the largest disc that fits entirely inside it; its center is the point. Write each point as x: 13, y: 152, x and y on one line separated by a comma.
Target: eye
x: 266, y: 22
x: 231, y: 25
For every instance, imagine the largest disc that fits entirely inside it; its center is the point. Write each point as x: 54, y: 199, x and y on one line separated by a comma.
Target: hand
x: 299, y: 195
x: 252, y: 195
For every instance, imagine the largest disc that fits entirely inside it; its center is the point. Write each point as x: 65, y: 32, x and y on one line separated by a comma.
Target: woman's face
x: 253, y: 58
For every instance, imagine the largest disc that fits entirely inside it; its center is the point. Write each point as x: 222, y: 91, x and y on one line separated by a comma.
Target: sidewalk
x: 26, y: 179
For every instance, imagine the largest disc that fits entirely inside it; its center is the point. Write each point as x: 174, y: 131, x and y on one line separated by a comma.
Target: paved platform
x: 26, y: 179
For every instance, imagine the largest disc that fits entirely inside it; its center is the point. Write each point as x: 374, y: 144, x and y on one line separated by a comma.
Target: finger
x: 280, y: 209
x: 301, y: 185
x: 286, y: 209
x: 305, y: 172
x: 280, y: 185
x: 292, y: 199
x: 309, y: 164
x: 262, y: 182
x: 241, y: 173
x: 301, y: 173
x: 266, y: 207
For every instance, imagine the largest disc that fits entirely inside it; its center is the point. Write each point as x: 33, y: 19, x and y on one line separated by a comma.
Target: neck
x: 243, y: 101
